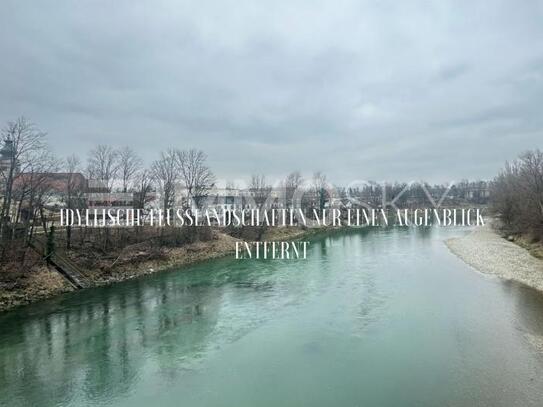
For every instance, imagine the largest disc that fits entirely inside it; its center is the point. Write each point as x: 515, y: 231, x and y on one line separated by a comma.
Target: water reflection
x: 360, y: 299
x: 528, y: 306
x: 97, y: 345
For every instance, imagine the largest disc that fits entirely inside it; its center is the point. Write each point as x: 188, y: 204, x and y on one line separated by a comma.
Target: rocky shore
x: 486, y: 251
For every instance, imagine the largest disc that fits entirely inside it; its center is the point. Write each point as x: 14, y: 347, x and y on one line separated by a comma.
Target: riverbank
x: 364, y: 297
x: 39, y: 281
x: 486, y: 251
x: 137, y: 260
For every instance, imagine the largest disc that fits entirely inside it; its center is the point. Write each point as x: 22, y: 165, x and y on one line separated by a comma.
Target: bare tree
x: 28, y: 186
x: 42, y: 192
x: 103, y: 165
x: 32, y: 193
x: 531, y: 172
x: 319, y: 188
x: 259, y: 189
x: 166, y: 175
x: 129, y: 164
x: 143, y: 188
x: 21, y: 140
x: 517, y: 195
x: 195, y: 174
x: 292, y: 182
x: 74, y: 194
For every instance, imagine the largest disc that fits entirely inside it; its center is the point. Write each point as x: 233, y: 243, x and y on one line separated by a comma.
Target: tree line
x: 30, y: 170
x: 27, y: 188
x: 517, y: 195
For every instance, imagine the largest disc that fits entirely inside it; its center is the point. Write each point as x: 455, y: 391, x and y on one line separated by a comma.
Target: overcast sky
x: 437, y: 90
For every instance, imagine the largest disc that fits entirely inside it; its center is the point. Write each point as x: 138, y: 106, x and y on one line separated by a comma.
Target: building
x: 230, y: 199
x: 51, y: 189
x: 7, y: 155
x: 56, y: 189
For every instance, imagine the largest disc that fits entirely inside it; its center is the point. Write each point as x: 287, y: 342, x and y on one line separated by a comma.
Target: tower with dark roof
x: 7, y: 154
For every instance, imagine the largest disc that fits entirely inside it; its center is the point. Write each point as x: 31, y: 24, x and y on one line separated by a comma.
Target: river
x: 370, y: 318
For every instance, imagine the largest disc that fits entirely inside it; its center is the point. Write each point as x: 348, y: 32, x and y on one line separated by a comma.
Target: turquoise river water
x: 371, y: 318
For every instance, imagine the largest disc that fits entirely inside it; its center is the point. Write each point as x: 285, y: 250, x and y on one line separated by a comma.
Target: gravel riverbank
x: 489, y: 253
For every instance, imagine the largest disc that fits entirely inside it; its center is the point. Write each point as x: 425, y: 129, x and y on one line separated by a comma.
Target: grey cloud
x: 382, y: 90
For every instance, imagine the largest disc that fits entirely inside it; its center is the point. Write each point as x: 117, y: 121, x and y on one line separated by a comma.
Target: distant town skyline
x: 436, y: 90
